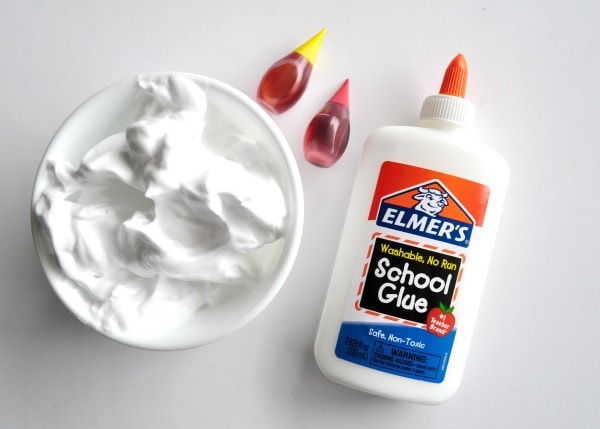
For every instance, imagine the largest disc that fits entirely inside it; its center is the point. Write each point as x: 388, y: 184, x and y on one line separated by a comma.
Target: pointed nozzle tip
x: 458, y: 61
x: 455, y: 78
x: 310, y: 48
x: 342, y: 95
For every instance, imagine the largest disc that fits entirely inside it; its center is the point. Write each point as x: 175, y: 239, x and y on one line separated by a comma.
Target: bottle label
x: 404, y: 307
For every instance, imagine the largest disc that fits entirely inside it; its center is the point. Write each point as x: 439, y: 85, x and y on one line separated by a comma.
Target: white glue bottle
x: 414, y: 253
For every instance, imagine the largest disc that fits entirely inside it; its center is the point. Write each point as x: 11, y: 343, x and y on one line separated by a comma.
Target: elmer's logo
x: 428, y: 210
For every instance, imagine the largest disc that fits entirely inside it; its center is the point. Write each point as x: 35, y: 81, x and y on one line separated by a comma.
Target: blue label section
x: 396, y: 349
x: 412, y: 221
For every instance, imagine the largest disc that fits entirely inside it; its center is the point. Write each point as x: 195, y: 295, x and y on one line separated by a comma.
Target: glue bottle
x: 414, y: 252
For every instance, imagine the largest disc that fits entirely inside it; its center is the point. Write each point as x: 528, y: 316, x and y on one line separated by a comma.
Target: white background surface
x: 534, y: 69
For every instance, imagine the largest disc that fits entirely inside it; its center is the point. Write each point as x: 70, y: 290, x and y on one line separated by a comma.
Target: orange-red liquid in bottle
x: 327, y: 135
x: 285, y: 81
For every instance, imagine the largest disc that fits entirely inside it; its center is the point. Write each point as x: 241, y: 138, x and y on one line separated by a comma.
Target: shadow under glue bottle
x: 414, y: 253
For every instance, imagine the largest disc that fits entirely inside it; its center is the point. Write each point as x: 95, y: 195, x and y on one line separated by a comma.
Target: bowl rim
x: 294, y: 228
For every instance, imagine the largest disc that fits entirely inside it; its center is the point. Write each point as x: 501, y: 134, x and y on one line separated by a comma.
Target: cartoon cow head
x: 431, y: 201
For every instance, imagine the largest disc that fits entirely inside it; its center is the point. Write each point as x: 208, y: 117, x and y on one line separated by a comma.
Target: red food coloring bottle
x: 327, y: 135
x: 285, y: 81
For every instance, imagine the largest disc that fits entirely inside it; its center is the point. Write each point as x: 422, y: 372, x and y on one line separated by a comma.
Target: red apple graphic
x: 440, y: 320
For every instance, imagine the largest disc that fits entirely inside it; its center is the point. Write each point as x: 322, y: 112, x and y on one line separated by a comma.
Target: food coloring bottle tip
x: 412, y: 261
x: 286, y: 80
x: 327, y: 134
x: 310, y: 48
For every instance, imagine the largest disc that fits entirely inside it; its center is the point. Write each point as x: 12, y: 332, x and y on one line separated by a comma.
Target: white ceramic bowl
x: 110, y: 111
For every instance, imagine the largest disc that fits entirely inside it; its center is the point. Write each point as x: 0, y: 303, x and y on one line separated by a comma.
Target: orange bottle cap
x: 455, y: 78
x: 450, y: 104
